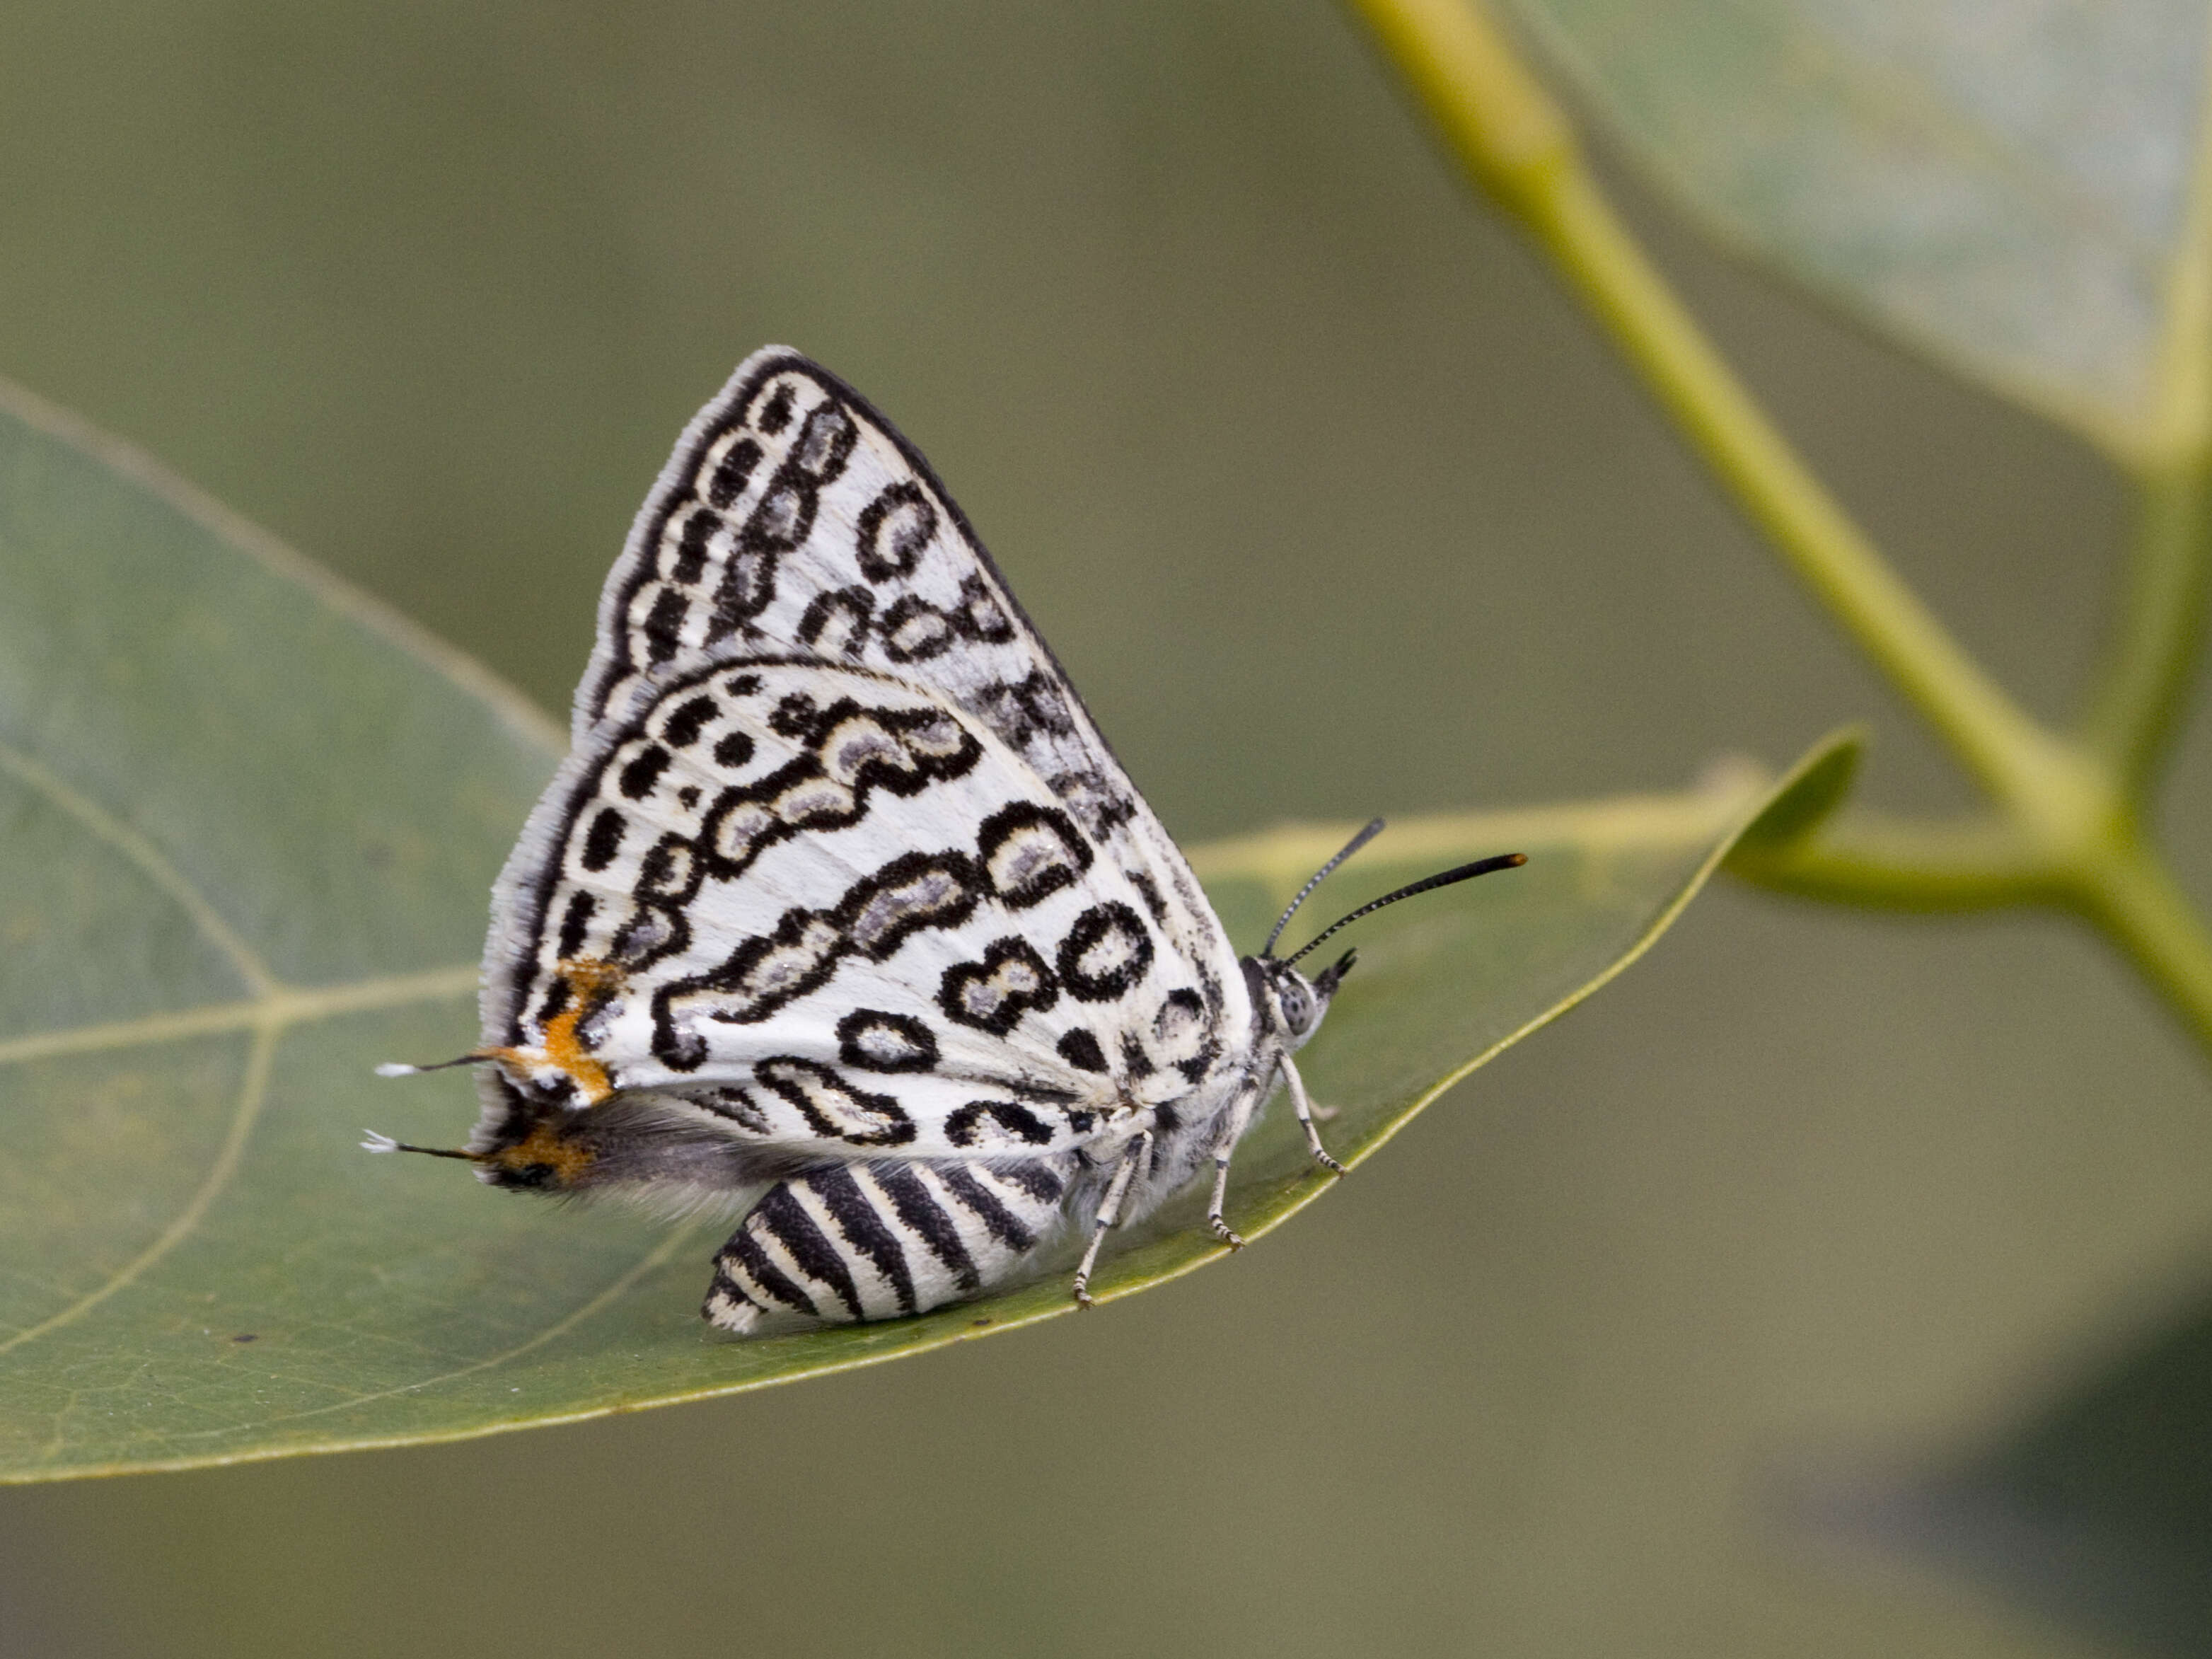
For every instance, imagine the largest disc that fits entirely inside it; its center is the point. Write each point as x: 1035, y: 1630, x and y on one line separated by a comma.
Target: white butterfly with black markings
x: 840, y: 893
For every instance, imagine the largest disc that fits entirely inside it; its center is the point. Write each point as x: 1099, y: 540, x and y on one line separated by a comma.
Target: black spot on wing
x: 603, y: 839
x: 1080, y: 1050
x: 688, y: 720
x: 775, y: 414
x: 664, y: 625
x: 692, y: 548
x: 1105, y: 953
x: 643, y: 771
x: 991, y: 995
x: 873, y: 1041
x: 1029, y: 853
x: 894, y: 529
x: 727, y: 481
x: 575, y: 921
x: 996, y: 1123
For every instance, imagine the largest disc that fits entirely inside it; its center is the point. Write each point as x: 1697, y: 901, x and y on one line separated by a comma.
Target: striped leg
x: 1304, y: 1109
x: 1232, y: 1131
x: 1110, y: 1210
x: 876, y: 1241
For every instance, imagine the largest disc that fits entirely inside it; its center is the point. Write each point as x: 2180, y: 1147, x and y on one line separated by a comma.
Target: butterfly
x: 840, y: 899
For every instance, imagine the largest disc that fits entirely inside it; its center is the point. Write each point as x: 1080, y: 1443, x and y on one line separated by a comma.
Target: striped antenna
x: 1373, y: 829
x: 1426, y: 884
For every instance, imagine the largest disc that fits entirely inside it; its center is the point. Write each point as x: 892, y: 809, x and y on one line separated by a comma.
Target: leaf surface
x: 251, y: 821
x: 2005, y: 184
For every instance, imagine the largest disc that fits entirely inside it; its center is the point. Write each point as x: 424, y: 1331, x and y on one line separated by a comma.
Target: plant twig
x: 2129, y: 894
x: 2067, y: 828
x: 1980, y: 862
x: 2159, y: 633
x: 1522, y: 152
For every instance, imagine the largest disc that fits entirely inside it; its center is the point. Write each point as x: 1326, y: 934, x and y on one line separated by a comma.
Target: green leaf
x: 251, y: 823
x: 2008, y: 184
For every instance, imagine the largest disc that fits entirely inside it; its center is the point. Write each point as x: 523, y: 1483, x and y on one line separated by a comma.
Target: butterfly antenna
x: 397, y: 1068
x: 377, y: 1143
x: 1373, y: 829
x: 1427, y: 885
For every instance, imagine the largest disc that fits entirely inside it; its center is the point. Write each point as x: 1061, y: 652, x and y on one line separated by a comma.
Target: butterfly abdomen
x: 877, y: 1240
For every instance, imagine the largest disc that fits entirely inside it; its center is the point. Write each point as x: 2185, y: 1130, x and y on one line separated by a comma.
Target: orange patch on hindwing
x: 590, y: 983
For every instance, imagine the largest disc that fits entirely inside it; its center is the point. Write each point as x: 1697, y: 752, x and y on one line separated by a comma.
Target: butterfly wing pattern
x: 841, y: 894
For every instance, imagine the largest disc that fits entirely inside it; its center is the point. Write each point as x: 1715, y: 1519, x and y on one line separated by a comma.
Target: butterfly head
x: 1294, y: 1004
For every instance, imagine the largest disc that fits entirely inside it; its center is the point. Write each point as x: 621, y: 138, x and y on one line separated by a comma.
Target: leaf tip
x: 1812, y: 790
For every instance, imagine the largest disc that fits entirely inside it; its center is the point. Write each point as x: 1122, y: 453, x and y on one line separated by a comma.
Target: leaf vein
x: 254, y: 1090
x: 272, y: 1012
x: 155, y: 864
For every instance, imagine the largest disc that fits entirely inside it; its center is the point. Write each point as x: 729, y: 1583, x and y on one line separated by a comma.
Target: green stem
x: 1518, y: 147
x: 2160, y: 631
x: 1998, y: 743
x: 1980, y: 863
x: 2129, y: 893
x: 2067, y: 831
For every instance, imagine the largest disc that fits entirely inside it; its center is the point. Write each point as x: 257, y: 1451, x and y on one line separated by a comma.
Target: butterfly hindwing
x: 828, y: 910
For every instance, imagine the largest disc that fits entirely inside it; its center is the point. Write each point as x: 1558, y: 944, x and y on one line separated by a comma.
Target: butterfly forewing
x: 832, y: 910
x: 792, y: 520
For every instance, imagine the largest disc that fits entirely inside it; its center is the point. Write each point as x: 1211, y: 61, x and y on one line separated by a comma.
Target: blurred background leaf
x: 2095, y: 1507
x: 1332, y: 506
x: 2006, y: 185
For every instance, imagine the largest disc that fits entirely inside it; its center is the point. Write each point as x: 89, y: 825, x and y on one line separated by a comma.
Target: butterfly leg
x: 1109, y: 1209
x: 1305, y: 1108
x: 1232, y: 1131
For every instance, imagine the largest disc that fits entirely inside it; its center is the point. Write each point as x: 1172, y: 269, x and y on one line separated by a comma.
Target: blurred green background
x: 1332, y: 505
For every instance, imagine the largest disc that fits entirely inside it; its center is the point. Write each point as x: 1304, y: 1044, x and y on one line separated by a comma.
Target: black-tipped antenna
x: 1428, y: 884
x: 1373, y: 829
